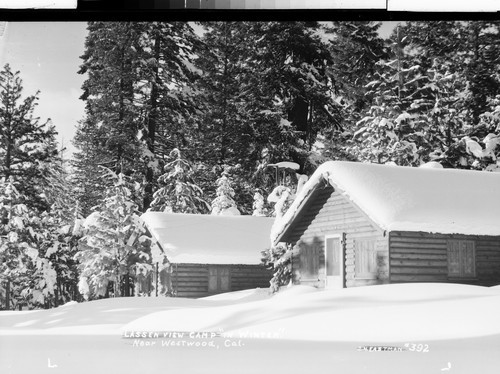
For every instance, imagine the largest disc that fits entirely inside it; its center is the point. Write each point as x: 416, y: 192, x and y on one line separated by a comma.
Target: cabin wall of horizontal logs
x: 424, y: 257
x: 200, y: 280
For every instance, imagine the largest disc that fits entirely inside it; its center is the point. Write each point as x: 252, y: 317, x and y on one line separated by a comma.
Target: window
x: 218, y: 279
x: 365, y: 263
x: 309, y: 261
x: 461, y: 259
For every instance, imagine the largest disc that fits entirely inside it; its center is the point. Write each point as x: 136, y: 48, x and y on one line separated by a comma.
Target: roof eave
x: 289, y: 223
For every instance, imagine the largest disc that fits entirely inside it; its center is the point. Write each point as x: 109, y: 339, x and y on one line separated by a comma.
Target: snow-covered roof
x: 210, y: 239
x: 398, y: 198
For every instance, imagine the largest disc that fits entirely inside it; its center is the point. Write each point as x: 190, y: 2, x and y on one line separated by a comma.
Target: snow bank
x: 411, y: 199
x: 387, y: 313
x: 244, y: 295
x: 99, y: 317
x: 210, y: 239
x: 384, y: 313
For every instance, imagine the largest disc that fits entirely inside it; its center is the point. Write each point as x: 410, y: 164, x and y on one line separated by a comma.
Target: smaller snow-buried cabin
x: 355, y: 224
x: 211, y: 254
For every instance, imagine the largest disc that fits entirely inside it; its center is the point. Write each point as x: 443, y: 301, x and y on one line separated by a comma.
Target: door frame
x: 340, y: 238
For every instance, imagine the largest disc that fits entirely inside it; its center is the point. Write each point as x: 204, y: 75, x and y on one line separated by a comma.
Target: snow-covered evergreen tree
x: 27, y: 145
x: 259, y: 205
x: 29, y: 276
x: 482, y: 153
x: 178, y: 192
x: 139, y: 97
x: 278, y: 258
x: 109, y: 248
x: 59, y: 246
x: 282, y: 197
x: 224, y: 204
x: 88, y: 178
x: 434, y: 99
x: 410, y: 118
x: 30, y: 190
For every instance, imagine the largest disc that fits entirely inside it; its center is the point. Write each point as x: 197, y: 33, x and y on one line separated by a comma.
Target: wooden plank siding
x: 329, y: 212
x: 423, y: 257
x: 192, y: 280
x: 244, y: 277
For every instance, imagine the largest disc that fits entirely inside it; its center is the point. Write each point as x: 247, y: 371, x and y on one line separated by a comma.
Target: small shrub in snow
x: 259, y: 206
x: 279, y: 259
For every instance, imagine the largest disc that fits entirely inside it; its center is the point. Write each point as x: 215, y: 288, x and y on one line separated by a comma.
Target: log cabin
x: 356, y: 224
x: 208, y: 254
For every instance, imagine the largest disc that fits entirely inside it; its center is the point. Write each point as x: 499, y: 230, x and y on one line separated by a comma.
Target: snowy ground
x: 415, y: 328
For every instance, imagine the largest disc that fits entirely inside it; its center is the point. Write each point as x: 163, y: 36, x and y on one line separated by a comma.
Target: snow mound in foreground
x: 240, y: 296
x: 98, y: 317
x: 387, y: 313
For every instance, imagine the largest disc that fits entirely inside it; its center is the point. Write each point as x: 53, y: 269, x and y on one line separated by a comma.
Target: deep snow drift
x: 387, y: 313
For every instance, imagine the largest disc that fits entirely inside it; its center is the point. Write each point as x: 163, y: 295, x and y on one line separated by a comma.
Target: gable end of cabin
x: 335, y: 244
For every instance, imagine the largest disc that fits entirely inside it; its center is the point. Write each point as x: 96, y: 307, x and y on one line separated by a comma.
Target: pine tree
x: 222, y: 127
x: 178, y: 192
x: 109, y: 249
x: 59, y: 246
x: 138, y: 98
x: 110, y: 134
x: 478, y: 153
x: 412, y: 118
x: 221, y: 134
x: 356, y: 48
x: 19, y: 236
x: 167, y: 95
x: 471, y: 49
x: 443, y: 82
x: 29, y: 156
x: 288, y: 93
x: 88, y: 174
x: 259, y: 205
x: 62, y: 232
x: 110, y: 62
x: 224, y: 203
x: 26, y: 144
x: 269, y: 96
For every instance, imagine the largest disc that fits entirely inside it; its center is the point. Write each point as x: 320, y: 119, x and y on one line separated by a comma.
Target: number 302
x: 424, y: 348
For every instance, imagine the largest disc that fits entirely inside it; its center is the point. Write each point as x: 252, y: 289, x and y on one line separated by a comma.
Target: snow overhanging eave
x: 286, y: 222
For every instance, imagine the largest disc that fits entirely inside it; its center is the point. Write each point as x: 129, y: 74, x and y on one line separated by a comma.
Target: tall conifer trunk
x: 152, y: 126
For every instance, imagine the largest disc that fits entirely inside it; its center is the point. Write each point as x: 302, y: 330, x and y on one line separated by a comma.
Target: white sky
x: 48, y: 56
